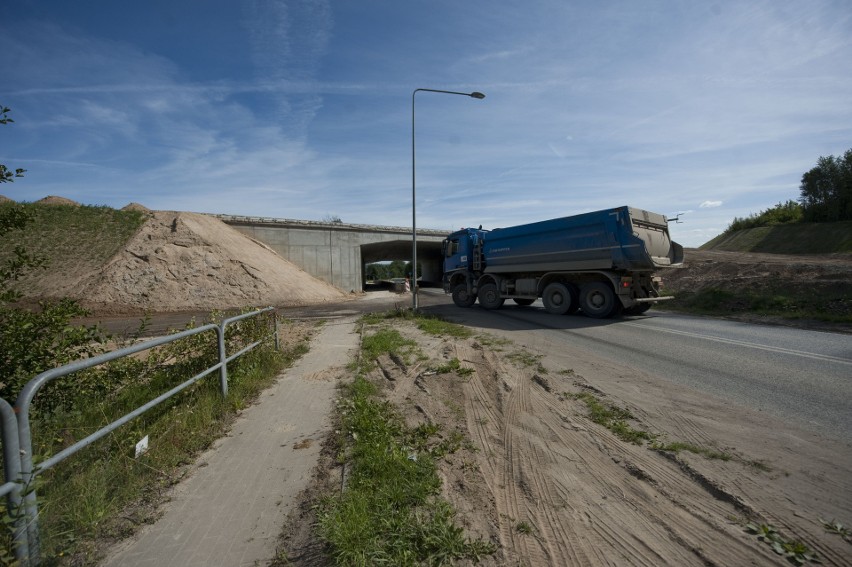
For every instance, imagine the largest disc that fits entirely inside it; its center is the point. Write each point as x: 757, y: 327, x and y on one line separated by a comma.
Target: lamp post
x: 414, y: 287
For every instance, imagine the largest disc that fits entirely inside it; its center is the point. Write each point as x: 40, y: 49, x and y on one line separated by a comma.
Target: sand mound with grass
x: 187, y: 261
x: 136, y: 207
x: 54, y: 200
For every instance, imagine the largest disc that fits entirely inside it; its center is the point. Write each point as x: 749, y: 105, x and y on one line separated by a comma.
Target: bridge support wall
x: 336, y: 252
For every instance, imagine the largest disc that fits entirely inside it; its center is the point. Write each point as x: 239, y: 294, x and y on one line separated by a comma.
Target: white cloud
x: 710, y: 204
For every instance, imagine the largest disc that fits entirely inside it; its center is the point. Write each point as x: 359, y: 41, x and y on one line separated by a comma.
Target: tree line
x: 389, y: 271
x: 825, y: 195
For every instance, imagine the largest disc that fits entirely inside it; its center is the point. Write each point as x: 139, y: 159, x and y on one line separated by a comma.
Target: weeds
x: 678, y: 446
x: 385, y: 341
x: 492, y: 342
x: 430, y: 324
x: 836, y: 527
x: 524, y: 359
x: 453, y: 366
x: 391, y: 511
x: 794, y: 551
x: 441, y: 328
x: 613, y: 418
x: 524, y: 528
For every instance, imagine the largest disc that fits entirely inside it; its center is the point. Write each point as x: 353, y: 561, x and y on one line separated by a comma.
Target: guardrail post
x: 29, y: 502
x: 12, y: 466
x: 275, y: 325
x: 223, y: 358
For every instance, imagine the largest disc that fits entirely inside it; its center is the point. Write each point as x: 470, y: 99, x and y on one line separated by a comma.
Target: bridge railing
x: 20, y: 470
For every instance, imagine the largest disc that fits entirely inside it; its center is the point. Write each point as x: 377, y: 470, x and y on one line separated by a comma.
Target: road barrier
x: 19, y: 469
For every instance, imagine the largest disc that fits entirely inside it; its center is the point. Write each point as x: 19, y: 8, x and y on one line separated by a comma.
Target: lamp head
x: 476, y: 94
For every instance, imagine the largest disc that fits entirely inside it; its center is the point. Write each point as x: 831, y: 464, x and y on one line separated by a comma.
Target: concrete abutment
x: 337, y: 252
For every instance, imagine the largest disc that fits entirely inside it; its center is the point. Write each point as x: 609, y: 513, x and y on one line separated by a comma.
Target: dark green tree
x: 826, y: 190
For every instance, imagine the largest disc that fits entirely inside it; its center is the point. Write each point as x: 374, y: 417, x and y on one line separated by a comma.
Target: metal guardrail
x: 20, y: 471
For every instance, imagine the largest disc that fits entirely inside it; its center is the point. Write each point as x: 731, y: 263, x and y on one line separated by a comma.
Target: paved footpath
x: 231, y: 510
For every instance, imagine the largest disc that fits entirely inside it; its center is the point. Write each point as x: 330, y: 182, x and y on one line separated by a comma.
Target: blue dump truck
x: 603, y: 263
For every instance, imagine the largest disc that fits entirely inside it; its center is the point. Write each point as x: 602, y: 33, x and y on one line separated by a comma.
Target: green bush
x: 782, y: 213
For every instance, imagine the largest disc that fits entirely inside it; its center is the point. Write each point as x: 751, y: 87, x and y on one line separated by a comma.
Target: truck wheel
x: 575, y: 299
x: 597, y: 300
x: 557, y: 298
x: 522, y: 301
x: 489, y: 297
x: 461, y: 297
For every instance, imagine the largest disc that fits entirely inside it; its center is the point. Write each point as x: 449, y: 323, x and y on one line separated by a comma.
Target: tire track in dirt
x: 552, y: 487
x: 584, y: 493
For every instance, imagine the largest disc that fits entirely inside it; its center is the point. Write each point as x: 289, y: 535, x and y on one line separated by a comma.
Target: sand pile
x: 54, y: 200
x: 188, y: 261
x: 135, y: 207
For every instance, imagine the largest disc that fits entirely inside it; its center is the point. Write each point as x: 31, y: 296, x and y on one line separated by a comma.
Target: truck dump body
x: 623, y: 239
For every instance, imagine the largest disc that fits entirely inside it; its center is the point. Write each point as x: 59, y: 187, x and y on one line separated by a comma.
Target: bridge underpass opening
x: 429, y: 258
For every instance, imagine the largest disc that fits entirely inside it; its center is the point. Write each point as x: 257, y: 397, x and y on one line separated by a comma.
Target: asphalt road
x: 793, y: 374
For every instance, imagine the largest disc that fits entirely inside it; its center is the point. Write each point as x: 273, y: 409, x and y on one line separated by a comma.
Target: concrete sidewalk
x: 231, y: 510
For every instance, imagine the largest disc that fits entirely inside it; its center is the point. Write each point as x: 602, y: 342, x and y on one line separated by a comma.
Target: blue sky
x: 302, y: 109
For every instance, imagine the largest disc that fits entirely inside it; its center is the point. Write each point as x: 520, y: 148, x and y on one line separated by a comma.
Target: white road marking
x: 746, y: 344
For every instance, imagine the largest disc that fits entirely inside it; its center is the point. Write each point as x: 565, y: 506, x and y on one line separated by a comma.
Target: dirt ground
x: 820, y: 279
x: 551, y: 487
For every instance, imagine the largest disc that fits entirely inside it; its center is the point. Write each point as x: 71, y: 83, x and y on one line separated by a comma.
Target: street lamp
x: 414, y: 286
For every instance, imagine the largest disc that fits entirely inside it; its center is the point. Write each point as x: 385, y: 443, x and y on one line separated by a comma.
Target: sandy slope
x: 187, y: 261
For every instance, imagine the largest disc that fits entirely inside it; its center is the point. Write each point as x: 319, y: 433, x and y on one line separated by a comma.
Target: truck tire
x: 557, y: 298
x: 597, y: 300
x: 575, y: 298
x: 523, y: 301
x: 461, y: 297
x: 489, y: 296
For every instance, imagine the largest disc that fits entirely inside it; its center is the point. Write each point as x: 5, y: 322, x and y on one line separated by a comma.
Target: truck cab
x: 459, y: 248
x: 462, y: 252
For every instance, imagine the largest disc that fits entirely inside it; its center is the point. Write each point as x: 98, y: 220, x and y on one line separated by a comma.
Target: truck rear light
x: 626, y: 282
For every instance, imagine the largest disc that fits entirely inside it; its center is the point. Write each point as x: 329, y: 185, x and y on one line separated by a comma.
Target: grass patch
x: 492, y: 342
x: 391, y: 512
x: 794, y: 238
x: 613, y: 418
x: 385, y: 341
x: 679, y: 446
x: 72, y: 238
x: 453, y: 366
x: 430, y: 324
x: 525, y: 359
x: 439, y: 327
x: 818, y: 304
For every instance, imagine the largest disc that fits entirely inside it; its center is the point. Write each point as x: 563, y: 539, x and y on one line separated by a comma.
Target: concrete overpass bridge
x: 339, y: 252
